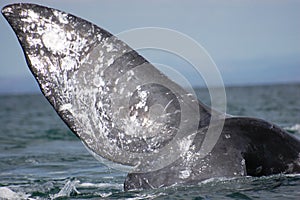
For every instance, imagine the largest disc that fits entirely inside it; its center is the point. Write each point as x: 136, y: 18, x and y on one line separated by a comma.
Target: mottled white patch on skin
x: 189, y: 155
x: 52, y: 35
x: 131, y: 73
x: 185, y: 174
x: 55, y: 40
x: 98, y: 82
x: 243, y: 166
x: 143, y: 95
x: 185, y: 143
x: 33, y: 15
x: 68, y: 63
x: 7, y: 10
x: 109, y: 47
x: 147, y: 127
x: 62, y: 17
x: 63, y: 107
x: 146, y: 108
x: 99, y: 37
x: 110, y: 61
x: 227, y: 136
x: 35, y: 60
x: 243, y: 162
x: 129, y: 78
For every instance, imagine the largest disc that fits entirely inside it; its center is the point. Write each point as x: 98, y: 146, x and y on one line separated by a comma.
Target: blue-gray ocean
x: 42, y: 159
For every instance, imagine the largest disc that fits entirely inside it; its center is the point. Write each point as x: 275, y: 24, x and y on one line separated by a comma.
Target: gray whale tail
x: 126, y: 111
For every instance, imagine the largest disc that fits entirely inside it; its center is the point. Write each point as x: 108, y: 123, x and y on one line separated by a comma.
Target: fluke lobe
x: 128, y: 112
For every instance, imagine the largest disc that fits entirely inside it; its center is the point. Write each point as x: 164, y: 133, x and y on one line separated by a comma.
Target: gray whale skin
x: 102, y: 89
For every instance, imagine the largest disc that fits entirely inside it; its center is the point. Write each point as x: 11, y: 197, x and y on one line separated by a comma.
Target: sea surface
x: 40, y: 158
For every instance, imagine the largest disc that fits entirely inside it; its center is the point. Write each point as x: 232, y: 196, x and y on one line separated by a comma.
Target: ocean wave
x: 293, y: 129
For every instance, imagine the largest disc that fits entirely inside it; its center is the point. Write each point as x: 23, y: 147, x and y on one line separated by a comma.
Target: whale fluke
x: 128, y: 112
x: 113, y: 99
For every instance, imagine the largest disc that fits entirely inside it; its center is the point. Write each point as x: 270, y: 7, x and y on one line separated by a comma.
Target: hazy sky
x: 251, y: 41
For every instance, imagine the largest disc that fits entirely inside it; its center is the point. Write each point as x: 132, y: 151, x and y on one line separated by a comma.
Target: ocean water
x: 40, y: 158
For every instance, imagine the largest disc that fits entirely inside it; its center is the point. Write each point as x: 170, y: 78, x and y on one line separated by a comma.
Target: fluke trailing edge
x: 128, y: 112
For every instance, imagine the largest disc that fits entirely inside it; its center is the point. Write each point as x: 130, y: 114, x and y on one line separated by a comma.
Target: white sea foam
x: 294, y: 128
x: 104, y: 194
x: 67, y: 189
x: 7, y: 194
x: 101, y: 185
x: 147, y: 196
